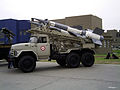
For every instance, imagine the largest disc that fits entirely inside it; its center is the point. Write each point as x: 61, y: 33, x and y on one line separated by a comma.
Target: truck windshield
x: 33, y: 40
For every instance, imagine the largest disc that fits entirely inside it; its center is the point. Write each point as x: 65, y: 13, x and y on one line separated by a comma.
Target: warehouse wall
x: 86, y: 21
x: 18, y: 27
x: 62, y: 21
x: 23, y: 26
x: 11, y: 25
x: 96, y: 22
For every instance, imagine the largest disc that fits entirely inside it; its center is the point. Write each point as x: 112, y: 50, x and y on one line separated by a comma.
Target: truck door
x: 43, y: 47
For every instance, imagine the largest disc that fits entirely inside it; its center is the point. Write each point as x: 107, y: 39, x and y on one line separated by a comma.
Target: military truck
x: 55, y: 41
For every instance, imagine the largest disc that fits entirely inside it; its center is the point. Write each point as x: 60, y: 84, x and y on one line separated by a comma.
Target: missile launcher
x: 95, y: 35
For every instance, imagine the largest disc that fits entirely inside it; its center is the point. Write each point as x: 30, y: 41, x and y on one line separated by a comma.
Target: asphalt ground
x: 50, y: 76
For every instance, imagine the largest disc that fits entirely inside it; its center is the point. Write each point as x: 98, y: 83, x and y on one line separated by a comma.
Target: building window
x: 117, y: 34
x: 24, y: 32
x: 1, y: 35
x: 104, y: 43
x: 108, y: 44
x: 20, y: 33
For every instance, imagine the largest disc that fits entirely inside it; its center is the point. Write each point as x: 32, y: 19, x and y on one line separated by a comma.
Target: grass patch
x: 107, y: 61
x: 116, y: 51
x: 100, y: 59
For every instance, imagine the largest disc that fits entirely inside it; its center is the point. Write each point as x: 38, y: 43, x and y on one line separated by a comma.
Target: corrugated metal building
x: 18, y: 27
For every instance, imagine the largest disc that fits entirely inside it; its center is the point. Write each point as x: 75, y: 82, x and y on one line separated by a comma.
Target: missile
x: 95, y: 35
x: 76, y: 31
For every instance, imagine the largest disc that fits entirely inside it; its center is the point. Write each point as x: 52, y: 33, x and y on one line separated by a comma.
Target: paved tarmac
x: 50, y: 76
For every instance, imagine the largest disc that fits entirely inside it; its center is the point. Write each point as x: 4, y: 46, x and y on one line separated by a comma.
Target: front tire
x: 87, y: 59
x: 73, y: 60
x: 27, y: 64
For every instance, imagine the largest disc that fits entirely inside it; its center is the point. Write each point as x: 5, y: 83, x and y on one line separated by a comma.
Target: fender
x: 70, y: 50
x: 19, y: 53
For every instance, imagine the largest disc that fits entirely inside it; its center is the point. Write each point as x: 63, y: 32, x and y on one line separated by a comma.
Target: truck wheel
x: 61, y: 62
x: 73, y: 60
x: 27, y: 64
x: 87, y: 59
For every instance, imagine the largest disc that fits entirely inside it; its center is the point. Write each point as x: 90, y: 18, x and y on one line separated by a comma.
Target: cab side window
x: 42, y: 40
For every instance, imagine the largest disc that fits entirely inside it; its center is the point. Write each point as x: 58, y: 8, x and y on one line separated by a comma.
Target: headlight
x: 15, y: 53
x: 11, y: 53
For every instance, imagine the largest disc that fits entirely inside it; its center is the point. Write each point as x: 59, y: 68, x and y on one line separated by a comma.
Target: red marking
x: 42, y: 48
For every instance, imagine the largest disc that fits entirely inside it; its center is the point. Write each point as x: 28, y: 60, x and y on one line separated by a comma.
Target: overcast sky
x: 108, y: 10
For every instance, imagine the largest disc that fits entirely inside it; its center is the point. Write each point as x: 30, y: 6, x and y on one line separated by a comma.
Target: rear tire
x: 73, y: 60
x: 27, y: 64
x: 87, y: 59
x: 61, y: 62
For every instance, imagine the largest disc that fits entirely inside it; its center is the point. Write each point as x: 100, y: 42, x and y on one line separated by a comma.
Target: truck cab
x: 27, y: 54
x: 41, y: 46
